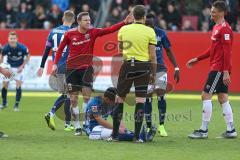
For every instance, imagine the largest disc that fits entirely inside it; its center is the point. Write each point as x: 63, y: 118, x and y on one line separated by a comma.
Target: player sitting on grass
x: 98, y: 109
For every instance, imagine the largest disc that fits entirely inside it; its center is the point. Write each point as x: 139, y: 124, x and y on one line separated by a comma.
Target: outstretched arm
x: 172, y: 59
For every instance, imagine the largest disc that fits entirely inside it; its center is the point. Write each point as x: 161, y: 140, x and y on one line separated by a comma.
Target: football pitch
x: 30, y: 138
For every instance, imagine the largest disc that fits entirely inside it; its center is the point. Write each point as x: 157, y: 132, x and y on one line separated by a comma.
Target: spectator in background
x: 187, y: 25
x: 86, y: 8
x: 205, y: 26
x: 204, y: 17
x: 172, y: 17
x: 39, y: 17
x: 10, y: 16
x: 55, y: 16
x: 3, y: 25
x: 62, y: 4
x: 114, y: 17
x: 24, y: 17
x: 238, y: 26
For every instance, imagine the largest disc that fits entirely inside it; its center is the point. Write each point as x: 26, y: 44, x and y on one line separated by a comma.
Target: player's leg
x: 49, y: 117
x: 75, y: 113
x: 67, y: 111
x: 18, y: 94
x: 86, y: 92
x: 148, y: 111
x: 209, y: 88
x: 222, y: 92
x: 161, y: 86
x: 4, y: 94
x: 141, y: 86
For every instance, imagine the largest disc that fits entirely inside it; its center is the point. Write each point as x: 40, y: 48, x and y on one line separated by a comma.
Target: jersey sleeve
x: 25, y: 50
x: 4, y: 50
x: 49, y: 42
x: 152, y: 37
x: 226, y: 40
x: 165, y: 41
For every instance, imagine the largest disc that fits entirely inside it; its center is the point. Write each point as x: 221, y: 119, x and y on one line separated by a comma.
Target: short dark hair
x: 12, y: 33
x: 80, y: 15
x: 68, y: 16
x: 139, y: 11
x: 150, y: 20
x: 220, y: 5
x: 110, y: 93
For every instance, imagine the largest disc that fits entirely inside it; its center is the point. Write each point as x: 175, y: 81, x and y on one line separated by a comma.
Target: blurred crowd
x: 175, y: 15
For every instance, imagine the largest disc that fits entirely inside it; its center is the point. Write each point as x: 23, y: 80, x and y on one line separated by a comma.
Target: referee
x: 137, y: 45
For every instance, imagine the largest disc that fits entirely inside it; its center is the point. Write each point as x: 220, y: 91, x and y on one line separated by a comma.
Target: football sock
x: 162, y: 106
x: 148, y: 112
x: 18, y: 96
x: 228, y: 115
x: 58, y: 103
x: 117, y: 117
x: 67, y: 111
x: 76, y: 121
x: 84, y: 108
x: 4, y: 96
x: 206, y: 114
x: 138, y: 116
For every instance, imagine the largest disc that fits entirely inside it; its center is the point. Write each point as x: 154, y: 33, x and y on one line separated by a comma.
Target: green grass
x: 30, y: 139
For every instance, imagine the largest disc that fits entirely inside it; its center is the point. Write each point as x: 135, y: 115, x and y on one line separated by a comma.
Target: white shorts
x: 16, y: 77
x: 100, y: 133
x: 161, y: 82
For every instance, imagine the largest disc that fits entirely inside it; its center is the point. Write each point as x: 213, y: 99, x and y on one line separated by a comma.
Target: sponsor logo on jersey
x: 227, y: 37
x: 80, y: 42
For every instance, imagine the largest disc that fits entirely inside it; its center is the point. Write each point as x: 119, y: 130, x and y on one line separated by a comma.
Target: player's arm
x: 116, y: 27
x: 195, y: 60
x: 103, y: 122
x: 59, y: 52
x: 2, y: 53
x: 227, y: 50
x: 171, y: 57
x: 26, y: 60
x: 152, y: 55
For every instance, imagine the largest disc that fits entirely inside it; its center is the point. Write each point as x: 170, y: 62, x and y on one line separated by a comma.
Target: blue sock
x: 18, y: 96
x: 4, y: 96
x: 58, y: 103
x: 67, y: 111
x: 148, y: 112
x: 127, y: 136
x: 162, y: 106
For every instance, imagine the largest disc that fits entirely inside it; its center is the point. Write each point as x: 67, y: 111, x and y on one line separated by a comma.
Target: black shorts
x: 78, y: 78
x: 215, y: 83
x: 139, y: 75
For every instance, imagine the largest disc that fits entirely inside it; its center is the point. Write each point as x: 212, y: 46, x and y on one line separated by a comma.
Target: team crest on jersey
x: 159, y: 39
x: 87, y: 36
x: 74, y: 39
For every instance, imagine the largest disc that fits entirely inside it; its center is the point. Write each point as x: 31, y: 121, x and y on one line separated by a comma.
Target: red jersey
x: 220, y: 50
x: 81, y: 45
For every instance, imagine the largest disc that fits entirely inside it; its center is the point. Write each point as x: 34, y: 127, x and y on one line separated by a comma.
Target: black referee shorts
x: 214, y: 83
x: 78, y: 78
x: 137, y: 74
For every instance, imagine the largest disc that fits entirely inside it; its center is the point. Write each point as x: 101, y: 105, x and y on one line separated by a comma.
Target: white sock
x: 206, y: 114
x: 84, y: 108
x: 228, y: 115
x: 76, y: 122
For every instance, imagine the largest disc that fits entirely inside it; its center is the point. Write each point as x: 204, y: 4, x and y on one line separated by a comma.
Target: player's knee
x: 74, y: 101
x: 222, y: 98
x: 120, y: 99
x: 206, y: 96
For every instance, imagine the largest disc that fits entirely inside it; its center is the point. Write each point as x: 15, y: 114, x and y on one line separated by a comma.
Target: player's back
x: 55, y: 37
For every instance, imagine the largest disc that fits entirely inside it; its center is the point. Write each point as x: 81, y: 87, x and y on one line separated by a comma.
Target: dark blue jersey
x: 54, y: 39
x: 95, y: 107
x: 15, y: 55
x: 162, y: 42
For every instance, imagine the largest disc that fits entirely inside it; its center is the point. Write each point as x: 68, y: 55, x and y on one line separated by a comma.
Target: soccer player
x: 161, y: 77
x: 136, y: 68
x: 80, y: 41
x: 218, y: 80
x: 53, y: 41
x: 17, y: 57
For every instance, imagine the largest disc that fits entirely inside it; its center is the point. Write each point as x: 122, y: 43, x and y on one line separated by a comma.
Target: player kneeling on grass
x: 98, y: 109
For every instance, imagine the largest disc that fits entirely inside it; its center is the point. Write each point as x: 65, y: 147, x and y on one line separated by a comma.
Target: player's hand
x: 121, y: 130
x: 54, y: 69
x: 192, y: 62
x: 40, y: 72
x: 177, y: 75
x: 226, y: 78
x: 20, y: 69
x: 152, y: 79
x: 6, y: 72
x: 129, y: 18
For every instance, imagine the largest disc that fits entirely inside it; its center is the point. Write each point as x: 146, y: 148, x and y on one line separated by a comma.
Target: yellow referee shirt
x: 136, y: 38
